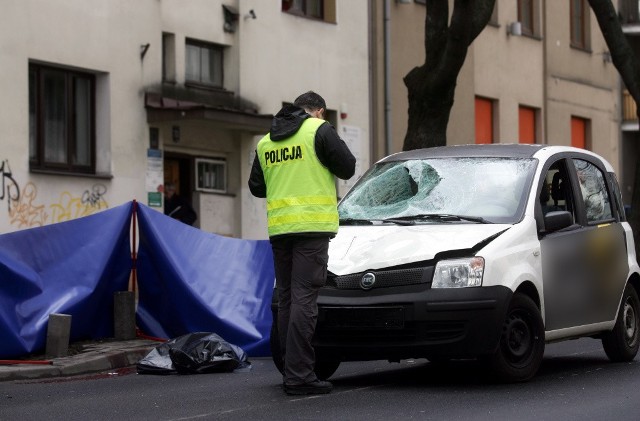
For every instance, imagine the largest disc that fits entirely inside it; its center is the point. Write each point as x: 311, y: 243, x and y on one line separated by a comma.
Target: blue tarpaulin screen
x: 193, y: 281
x: 72, y: 267
x: 189, y: 281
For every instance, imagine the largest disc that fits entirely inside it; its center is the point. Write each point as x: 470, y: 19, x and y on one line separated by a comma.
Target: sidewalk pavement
x: 93, y: 357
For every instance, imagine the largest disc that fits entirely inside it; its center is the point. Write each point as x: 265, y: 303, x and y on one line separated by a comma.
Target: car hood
x: 358, y: 248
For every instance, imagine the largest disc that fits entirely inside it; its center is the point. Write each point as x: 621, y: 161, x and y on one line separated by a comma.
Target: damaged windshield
x: 440, y: 190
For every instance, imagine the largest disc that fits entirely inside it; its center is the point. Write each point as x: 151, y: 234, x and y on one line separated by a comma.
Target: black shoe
x: 317, y: 387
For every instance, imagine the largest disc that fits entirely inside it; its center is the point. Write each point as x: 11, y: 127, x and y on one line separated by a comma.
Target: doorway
x: 178, y: 169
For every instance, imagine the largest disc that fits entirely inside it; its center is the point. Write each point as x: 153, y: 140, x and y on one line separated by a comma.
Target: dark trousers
x: 301, y: 270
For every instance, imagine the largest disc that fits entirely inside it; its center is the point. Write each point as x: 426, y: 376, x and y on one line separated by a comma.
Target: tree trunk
x: 627, y: 64
x: 432, y: 86
x: 428, y: 115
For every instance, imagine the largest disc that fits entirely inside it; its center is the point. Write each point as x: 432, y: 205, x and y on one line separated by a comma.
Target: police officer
x: 294, y: 169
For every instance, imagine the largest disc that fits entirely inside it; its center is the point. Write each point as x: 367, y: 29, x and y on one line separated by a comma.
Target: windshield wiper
x: 398, y: 221
x: 355, y: 221
x: 445, y: 217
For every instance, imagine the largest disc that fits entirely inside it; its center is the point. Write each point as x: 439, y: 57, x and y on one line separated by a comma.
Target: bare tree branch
x: 431, y: 86
x: 623, y: 57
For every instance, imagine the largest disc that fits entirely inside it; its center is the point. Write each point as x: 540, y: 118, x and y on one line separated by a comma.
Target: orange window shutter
x: 578, y: 132
x: 484, y: 121
x: 527, y: 125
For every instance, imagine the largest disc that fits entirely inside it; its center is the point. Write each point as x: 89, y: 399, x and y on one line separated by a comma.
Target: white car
x: 479, y: 251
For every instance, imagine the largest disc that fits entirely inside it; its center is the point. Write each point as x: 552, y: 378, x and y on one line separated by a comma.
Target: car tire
x: 621, y: 344
x: 324, y: 368
x: 521, y: 346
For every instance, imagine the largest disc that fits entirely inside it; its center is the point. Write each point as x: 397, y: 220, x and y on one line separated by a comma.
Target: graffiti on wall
x: 26, y: 212
x: 10, y: 189
x: 70, y: 207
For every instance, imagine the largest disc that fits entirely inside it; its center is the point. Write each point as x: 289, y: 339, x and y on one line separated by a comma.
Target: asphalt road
x: 576, y: 382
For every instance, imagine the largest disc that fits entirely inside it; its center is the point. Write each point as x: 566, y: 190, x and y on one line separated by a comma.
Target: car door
x: 583, y: 265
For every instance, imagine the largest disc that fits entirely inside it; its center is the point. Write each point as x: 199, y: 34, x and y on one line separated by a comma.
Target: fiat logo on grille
x: 367, y: 281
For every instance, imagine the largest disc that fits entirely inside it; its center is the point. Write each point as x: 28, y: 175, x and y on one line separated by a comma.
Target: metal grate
x: 384, y: 278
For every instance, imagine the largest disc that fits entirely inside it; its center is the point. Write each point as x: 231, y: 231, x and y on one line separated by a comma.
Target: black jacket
x: 332, y: 152
x: 179, y: 208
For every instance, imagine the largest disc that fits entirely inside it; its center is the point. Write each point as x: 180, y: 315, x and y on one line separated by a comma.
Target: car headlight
x: 459, y: 273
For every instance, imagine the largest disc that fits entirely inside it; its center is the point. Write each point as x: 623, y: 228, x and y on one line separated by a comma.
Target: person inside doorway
x: 177, y: 206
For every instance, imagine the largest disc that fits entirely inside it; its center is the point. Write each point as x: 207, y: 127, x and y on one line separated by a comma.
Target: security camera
x: 250, y: 15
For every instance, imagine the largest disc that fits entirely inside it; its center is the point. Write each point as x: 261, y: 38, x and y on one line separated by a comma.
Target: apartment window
x: 579, y: 20
x: 484, y: 120
x: 579, y: 128
x: 204, y: 63
x: 211, y: 175
x: 526, y: 16
x: 168, y: 57
x: 315, y: 9
x: 309, y: 8
x: 527, y: 125
x: 61, y: 120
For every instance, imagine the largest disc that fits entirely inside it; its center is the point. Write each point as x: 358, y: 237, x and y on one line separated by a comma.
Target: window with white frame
x: 211, y: 175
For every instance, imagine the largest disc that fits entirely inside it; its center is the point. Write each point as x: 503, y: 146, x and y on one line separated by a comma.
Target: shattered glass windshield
x: 479, y: 189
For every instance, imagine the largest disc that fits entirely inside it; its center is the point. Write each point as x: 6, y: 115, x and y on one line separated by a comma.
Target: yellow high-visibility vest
x: 301, y: 192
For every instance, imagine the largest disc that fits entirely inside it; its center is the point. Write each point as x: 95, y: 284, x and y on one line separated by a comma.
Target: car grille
x: 384, y: 278
x: 433, y: 332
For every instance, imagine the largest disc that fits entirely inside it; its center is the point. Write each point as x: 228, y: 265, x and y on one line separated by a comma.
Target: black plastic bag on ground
x: 200, y: 352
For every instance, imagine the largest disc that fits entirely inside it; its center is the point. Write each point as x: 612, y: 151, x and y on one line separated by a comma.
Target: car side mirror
x: 557, y: 220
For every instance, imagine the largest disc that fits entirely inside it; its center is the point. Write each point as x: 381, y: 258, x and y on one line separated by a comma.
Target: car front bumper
x: 410, y: 322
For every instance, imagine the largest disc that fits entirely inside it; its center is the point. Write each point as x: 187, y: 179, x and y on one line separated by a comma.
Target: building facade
x: 107, y: 101
x: 110, y: 100
x: 539, y: 72
x: 629, y: 12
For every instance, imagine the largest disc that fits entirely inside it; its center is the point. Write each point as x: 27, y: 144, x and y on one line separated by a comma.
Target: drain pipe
x: 387, y: 76
x: 545, y: 76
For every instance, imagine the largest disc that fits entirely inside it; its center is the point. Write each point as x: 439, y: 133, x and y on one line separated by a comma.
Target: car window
x: 617, y: 196
x: 556, y: 190
x: 593, y: 189
x: 491, y: 188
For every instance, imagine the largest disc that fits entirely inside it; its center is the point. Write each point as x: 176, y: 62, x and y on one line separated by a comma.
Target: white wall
x: 269, y: 60
x: 282, y: 56
x: 93, y: 36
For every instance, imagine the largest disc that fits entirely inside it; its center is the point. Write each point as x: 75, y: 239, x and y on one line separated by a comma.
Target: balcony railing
x: 629, y: 113
x: 629, y: 11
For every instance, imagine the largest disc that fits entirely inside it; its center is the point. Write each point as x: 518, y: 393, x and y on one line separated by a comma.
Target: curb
x: 94, y: 358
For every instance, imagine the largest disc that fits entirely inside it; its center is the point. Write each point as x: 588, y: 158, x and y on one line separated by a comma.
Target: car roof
x: 462, y: 151
x: 495, y: 150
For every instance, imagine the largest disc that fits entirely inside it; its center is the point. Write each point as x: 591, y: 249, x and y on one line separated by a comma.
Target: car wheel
x: 521, y: 347
x: 621, y: 344
x: 324, y: 367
